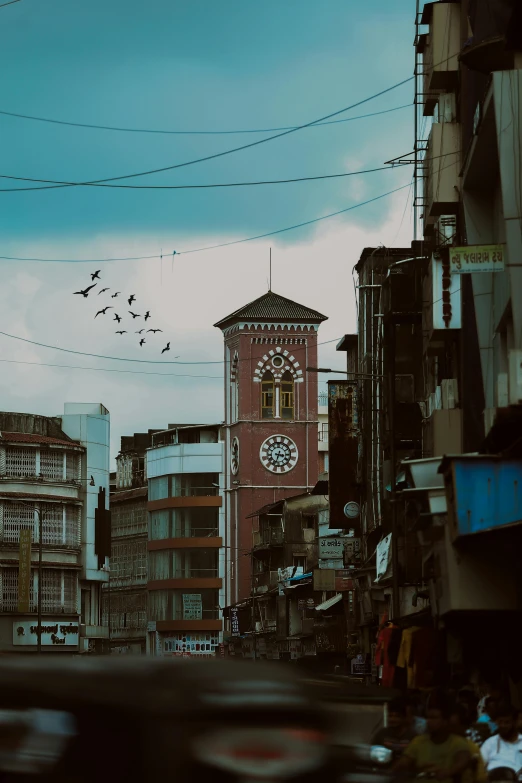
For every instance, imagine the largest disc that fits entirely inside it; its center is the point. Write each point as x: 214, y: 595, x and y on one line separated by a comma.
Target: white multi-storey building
x: 54, y: 479
x: 186, y: 559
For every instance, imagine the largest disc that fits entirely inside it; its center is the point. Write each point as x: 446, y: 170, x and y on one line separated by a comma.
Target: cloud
x: 186, y: 297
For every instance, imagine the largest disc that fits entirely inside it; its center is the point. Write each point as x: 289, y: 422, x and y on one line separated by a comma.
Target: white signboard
x: 476, y: 258
x: 192, y: 608
x: 383, y: 556
x: 55, y: 633
x: 331, y: 548
x: 329, y: 564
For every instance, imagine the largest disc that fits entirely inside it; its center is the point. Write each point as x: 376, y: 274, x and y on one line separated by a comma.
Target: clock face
x: 278, y: 454
x: 234, y: 456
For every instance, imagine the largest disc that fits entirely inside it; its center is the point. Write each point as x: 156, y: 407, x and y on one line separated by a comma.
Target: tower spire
x: 270, y: 278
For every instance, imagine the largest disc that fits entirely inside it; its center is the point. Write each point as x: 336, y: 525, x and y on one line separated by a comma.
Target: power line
x: 106, y: 369
x: 297, y: 225
x: 134, y: 361
x: 234, y: 149
x: 389, y: 165
x: 209, y: 247
x: 11, y: 2
x: 186, y: 187
x: 191, y: 132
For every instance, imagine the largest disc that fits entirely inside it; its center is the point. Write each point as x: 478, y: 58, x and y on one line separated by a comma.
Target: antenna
x: 270, y: 283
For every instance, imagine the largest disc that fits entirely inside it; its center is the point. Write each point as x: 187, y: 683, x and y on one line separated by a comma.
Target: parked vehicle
x: 108, y: 720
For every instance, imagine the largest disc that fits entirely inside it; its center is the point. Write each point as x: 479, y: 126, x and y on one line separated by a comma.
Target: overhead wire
x: 242, y: 147
x: 110, y: 369
x: 388, y: 166
x: 186, y: 187
x: 209, y: 247
x: 193, y: 132
x: 295, y: 349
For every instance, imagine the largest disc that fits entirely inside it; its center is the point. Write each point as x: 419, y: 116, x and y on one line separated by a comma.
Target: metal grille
x: 20, y: 461
x: 128, y: 519
x: 128, y: 611
x: 72, y: 526
x: 70, y: 591
x: 57, y: 532
x: 129, y: 561
x: 9, y: 590
x: 18, y: 517
x: 51, y: 464
x: 60, y: 591
x: 72, y: 466
x: 52, y: 522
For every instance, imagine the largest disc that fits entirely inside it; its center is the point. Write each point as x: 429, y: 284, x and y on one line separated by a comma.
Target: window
x: 159, y: 488
x: 287, y: 396
x: 20, y: 461
x: 51, y: 464
x: 267, y: 396
x: 59, y: 594
x: 309, y: 521
x: 300, y: 562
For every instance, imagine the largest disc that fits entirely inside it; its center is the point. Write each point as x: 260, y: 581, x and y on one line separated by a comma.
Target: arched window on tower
x: 267, y: 396
x: 287, y: 396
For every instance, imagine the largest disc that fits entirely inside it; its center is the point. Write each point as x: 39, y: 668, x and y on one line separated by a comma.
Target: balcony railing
x: 269, y: 536
x: 196, y: 573
x: 323, y: 398
x: 206, y: 614
x: 196, y: 532
x: 196, y: 492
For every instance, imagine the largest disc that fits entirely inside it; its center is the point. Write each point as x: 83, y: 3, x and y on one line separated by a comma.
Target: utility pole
x: 393, y: 476
x: 40, y: 585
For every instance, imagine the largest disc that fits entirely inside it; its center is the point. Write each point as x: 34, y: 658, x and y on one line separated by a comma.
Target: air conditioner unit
x: 515, y: 377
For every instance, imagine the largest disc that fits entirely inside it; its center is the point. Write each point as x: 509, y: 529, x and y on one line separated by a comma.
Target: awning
x: 266, y: 509
x: 330, y: 602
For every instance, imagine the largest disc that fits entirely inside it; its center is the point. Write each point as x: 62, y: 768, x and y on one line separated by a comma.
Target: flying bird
x: 154, y: 330
x: 131, y: 299
x: 103, y: 290
x: 142, y: 341
x: 134, y: 315
x: 113, y: 296
x: 117, y: 317
x: 96, y: 275
x: 122, y: 332
x: 85, y: 292
x: 147, y: 315
x: 140, y: 331
x: 103, y: 312
x: 167, y: 348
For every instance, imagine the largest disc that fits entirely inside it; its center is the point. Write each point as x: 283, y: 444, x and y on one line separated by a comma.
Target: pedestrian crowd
x: 454, y: 738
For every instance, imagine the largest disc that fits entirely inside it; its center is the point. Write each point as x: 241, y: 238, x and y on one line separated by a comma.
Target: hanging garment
x: 382, y: 658
x: 403, y: 660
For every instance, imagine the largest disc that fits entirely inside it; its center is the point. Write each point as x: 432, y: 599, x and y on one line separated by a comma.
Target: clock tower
x: 271, y: 415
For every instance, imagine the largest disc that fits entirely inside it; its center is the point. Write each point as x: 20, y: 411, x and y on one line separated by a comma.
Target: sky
x: 188, y: 66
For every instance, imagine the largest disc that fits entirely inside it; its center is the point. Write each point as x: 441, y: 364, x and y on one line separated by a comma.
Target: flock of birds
x: 85, y: 293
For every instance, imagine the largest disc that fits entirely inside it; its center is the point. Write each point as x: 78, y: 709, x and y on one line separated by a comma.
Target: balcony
x: 441, y: 170
x: 196, y: 492
x: 195, y: 573
x: 439, y: 49
x: 262, y: 583
x: 270, y: 536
